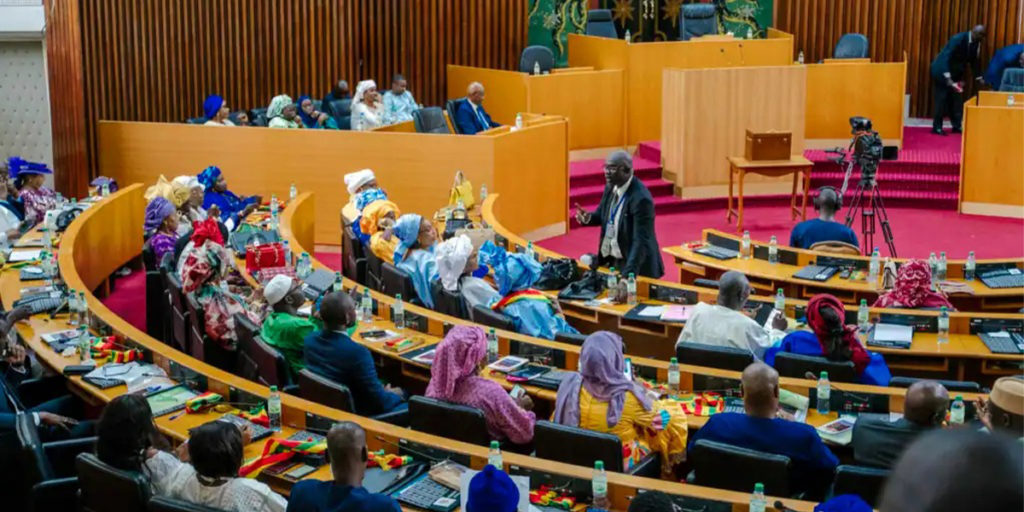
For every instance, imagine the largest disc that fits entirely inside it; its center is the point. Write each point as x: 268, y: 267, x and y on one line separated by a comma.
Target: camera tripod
x: 868, y: 199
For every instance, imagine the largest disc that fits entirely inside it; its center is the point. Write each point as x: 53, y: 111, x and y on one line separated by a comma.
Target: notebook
x: 676, y: 313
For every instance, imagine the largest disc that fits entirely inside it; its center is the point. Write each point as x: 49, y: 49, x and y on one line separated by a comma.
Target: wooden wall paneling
x: 67, y: 95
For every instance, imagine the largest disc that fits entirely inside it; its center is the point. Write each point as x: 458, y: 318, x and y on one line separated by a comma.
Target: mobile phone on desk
x: 299, y: 472
x: 516, y: 392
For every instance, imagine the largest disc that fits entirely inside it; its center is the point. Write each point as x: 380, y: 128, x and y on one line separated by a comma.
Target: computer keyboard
x: 1003, y: 278
x: 816, y: 273
x: 42, y: 305
x: 429, y: 495
x: 719, y: 253
x: 1003, y: 342
x: 888, y: 344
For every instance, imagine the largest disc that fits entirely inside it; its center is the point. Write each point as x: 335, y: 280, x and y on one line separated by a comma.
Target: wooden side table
x: 740, y: 166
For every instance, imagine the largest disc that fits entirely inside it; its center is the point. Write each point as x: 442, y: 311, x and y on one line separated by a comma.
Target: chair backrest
x: 352, y: 250
x: 258, y: 116
x: 571, y: 338
x: 165, y: 504
x: 430, y: 120
x: 271, y: 366
x: 963, y: 386
x: 697, y: 20
x: 706, y: 283
x: 445, y: 419
x: 600, y: 24
x: 233, y: 117
x: 713, y: 356
x: 394, y: 280
x: 536, y: 54
x: 373, y: 270
x: 451, y: 106
x: 156, y: 295
x: 862, y: 481
x: 342, y: 112
x: 35, y: 465
x: 448, y: 303
x: 738, y: 469
x: 487, y: 316
x: 104, y: 488
x: 196, y: 328
x: 195, y: 120
x: 574, y: 445
x: 179, y: 312
x: 324, y: 391
x: 836, y: 247
x: 798, y: 365
x: 1012, y: 80
x: 851, y: 46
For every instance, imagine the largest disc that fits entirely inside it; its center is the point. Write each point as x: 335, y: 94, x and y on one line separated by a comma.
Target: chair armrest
x: 398, y: 418
x: 56, y: 494
x: 36, y: 391
x: 291, y: 389
x: 62, y: 454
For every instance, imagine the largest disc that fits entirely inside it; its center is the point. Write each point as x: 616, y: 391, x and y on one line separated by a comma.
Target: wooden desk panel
x: 841, y: 89
x: 593, y: 101
x: 991, y: 176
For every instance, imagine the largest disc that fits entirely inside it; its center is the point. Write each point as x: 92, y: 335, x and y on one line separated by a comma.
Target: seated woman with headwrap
x: 233, y: 209
x: 29, y: 179
x: 456, y: 262
x: 161, y: 227
x: 366, y: 107
x: 454, y: 377
x: 829, y: 337
x: 913, y: 289
x: 204, y: 267
x: 362, y: 190
x: 415, y: 254
x: 532, y: 312
x: 178, y: 196
x: 600, y: 397
x: 311, y: 118
x: 376, y: 222
x: 12, y: 211
x: 216, y: 111
x: 192, y: 209
x: 281, y: 112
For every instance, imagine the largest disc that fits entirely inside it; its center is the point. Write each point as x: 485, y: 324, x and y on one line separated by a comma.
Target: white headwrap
x: 354, y: 180
x: 187, y: 181
x: 277, y: 105
x: 451, y: 256
x: 361, y: 90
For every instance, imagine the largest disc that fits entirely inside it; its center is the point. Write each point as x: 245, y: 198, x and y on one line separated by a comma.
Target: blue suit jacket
x: 1004, y: 58
x: 468, y: 121
x: 338, y: 358
x: 321, y: 496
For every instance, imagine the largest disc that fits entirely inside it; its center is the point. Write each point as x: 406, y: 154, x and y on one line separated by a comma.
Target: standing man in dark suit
x: 626, y: 216
x: 947, y: 76
x: 470, y: 116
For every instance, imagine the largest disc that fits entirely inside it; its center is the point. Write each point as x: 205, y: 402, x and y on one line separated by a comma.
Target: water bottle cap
x: 632, y: 275
x: 398, y: 296
x: 273, y: 389
x: 780, y: 292
x: 598, y: 464
x: 773, y: 238
x: 495, y: 445
x: 759, y: 487
x: 960, y: 398
x: 824, y: 375
x: 944, y: 309
x: 673, y: 360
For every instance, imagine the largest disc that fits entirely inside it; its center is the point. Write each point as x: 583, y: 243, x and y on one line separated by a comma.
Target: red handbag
x: 264, y: 256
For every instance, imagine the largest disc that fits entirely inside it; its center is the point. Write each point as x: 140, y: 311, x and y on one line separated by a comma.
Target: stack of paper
x: 676, y: 313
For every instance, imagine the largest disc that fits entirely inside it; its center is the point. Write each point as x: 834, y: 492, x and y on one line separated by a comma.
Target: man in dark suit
x: 879, y: 442
x: 470, y: 116
x: 947, y: 76
x: 626, y: 217
x: 334, y: 355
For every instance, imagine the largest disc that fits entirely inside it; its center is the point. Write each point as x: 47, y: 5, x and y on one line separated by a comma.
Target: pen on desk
x: 176, y: 416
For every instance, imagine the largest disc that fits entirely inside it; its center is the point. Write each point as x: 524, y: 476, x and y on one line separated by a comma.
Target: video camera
x: 867, y: 147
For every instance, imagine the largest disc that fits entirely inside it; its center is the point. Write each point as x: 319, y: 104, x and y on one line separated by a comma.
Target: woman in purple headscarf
x: 601, y: 397
x: 161, y: 227
x: 454, y: 378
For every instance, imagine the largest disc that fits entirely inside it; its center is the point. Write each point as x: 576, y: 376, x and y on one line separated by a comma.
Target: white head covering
x: 277, y: 105
x: 451, y: 256
x: 277, y: 288
x: 354, y: 180
x: 361, y: 90
x: 187, y: 181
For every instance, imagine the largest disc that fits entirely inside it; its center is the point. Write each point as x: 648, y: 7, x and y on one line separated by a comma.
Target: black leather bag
x: 557, y: 274
x: 587, y: 288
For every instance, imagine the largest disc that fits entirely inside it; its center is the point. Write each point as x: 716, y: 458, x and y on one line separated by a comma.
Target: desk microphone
x: 782, y: 508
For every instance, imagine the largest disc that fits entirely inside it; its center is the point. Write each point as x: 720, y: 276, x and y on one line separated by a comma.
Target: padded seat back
x: 373, y: 271
x: 445, y: 419
x: 320, y: 389
x: 579, y: 446
x: 197, y: 328
x: 571, y: 338
x: 107, y: 489
x: 1012, y: 81
x: 697, y: 20
x: 836, y: 247
x: 540, y: 55
x: 342, y: 112
x: 258, y: 116
x: 600, y: 24
x: 35, y: 465
x: 156, y: 295
x: 962, y: 386
x: 798, y: 365
x: 271, y: 367
x: 195, y: 120
x: 451, y: 106
x: 486, y: 316
x: 448, y: 303
x: 352, y: 263
x: 738, y: 469
x: 179, y: 312
x: 851, y: 46
x: 430, y: 120
x: 396, y: 281
x: 862, y: 481
x: 713, y: 356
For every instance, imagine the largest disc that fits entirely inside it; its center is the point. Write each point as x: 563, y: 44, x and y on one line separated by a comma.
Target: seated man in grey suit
x: 879, y: 442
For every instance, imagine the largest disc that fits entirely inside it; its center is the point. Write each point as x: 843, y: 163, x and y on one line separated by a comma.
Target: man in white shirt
x: 724, y: 325
x: 398, y: 101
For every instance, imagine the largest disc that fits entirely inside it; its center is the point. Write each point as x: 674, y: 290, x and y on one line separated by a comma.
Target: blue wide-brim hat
x: 17, y: 166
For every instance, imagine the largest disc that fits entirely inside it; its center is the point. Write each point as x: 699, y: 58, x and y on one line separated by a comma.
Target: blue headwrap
x: 513, y: 272
x: 209, y: 176
x: 844, y: 503
x: 407, y: 229
x: 308, y: 120
x: 491, y: 490
x: 158, y: 209
x: 17, y: 166
x: 364, y: 198
x: 212, y: 105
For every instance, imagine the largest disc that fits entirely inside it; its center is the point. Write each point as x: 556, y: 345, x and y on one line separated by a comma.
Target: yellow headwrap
x: 374, y: 212
x: 170, y: 191
x: 180, y: 193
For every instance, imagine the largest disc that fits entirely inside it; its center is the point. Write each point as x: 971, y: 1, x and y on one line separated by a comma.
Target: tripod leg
x: 884, y: 221
x: 851, y: 212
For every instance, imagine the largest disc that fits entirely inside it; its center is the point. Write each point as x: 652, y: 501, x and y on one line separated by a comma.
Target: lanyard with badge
x: 610, y: 223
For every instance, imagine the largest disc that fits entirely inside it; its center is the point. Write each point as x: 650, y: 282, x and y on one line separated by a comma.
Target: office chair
x: 258, y: 116
x: 1012, y: 80
x: 571, y: 338
x: 600, y: 24
x: 448, y: 303
x: 697, y: 20
x: 324, y: 391
x: 156, y: 295
x: 179, y: 313
x: 430, y: 120
x: 706, y: 283
x: 165, y: 504
x: 353, y: 263
x: 713, y: 356
x: 863, y: 481
x: 579, y: 446
x: 798, y: 365
x: 486, y: 316
x: 104, y: 488
x: 264, y: 364
x: 396, y: 281
x: 342, y: 113
x: 451, y: 106
x: 738, y: 469
x: 233, y: 117
x: 539, y: 55
x: 962, y: 386
x: 851, y: 46
x: 47, y: 469
x: 836, y: 247
x: 373, y: 271
x: 445, y: 419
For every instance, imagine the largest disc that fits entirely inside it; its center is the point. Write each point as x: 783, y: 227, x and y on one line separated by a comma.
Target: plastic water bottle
x: 969, y: 267
x: 863, y: 320
x: 956, y: 411
x: 367, y: 305
x: 536, y: 67
x: 105, y: 190
x: 673, y: 374
x: 519, y: 121
x: 529, y: 251
x: 750, y: 33
x: 627, y: 37
x: 874, y: 267
x: 773, y: 250
x: 304, y: 267
x: 631, y: 289
x: 45, y: 264
x: 483, y: 193
x: 338, y: 286
x: 599, y: 483
x: 933, y: 265
x: 494, y: 455
x: 292, y: 192
x: 1009, y: 100
x: 83, y: 344
x: 780, y: 300
x: 492, y: 345
x: 612, y: 282
x: 800, y: 57
x: 399, y: 312
x: 273, y: 206
x: 274, y: 409
x: 287, y: 252
x: 943, y: 325
x: 83, y: 307
x: 943, y: 265
x: 745, y: 245
x: 758, y: 503
x: 824, y: 393
x: 72, y: 308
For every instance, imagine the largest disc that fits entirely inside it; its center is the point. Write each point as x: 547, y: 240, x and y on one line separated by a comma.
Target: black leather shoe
x: 957, y: 130
x: 938, y: 132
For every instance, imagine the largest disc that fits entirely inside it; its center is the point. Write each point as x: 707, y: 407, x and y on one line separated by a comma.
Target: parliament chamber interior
x: 505, y: 255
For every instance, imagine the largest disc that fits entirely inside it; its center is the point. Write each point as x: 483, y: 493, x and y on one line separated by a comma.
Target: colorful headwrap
x: 202, y: 261
x: 407, y: 229
x: 307, y: 119
x: 157, y: 210
x: 369, y: 221
x: 817, y: 324
x: 161, y: 188
x: 16, y: 166
x: 277, y: 105
x: 187, y: 181
x: 209, y: 176
x: 364, y: 198
x: 456, y: 358
x: 913, y: 289
x: 451, y: 256
x: 512, y: 271
x: 180, y: 193
x: 212, y: 105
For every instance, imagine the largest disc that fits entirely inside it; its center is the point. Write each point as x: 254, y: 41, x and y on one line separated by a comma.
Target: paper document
x: 27, y: 255
x: 676, y: 313
x: 894, y: 333
x: 652, y: 311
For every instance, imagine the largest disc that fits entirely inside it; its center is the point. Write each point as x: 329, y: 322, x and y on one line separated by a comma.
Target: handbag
x: 264, y: 256
x: 556, y: 274
x: 462, y: 190
x: 587, y: 288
